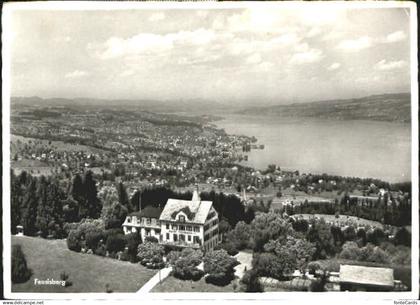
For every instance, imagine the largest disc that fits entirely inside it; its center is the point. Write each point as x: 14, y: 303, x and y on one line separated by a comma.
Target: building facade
x: 182, y: 223
x: 145, y: 222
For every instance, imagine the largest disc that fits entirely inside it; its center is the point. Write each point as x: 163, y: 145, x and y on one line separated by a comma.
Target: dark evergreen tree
x: 20, y: 271
x: 30, y: 203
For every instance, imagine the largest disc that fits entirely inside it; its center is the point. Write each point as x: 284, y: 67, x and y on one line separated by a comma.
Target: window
x: 167, y: 226
x: 148, y: 221
x: 175, y: 237
x: 167, y: 236
x: 196, y: 240
x: 188, y: 228
x: 174, y: 227
x: 196, y: 229
x: 181, y: 218
x: 189, y: 237
x: 128, y: 219
x: 182, y: 228
x: 181, y: 237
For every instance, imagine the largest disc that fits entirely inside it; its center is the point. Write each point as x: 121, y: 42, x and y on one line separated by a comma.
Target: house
x: 182, y: 223
x: 186, y: 223
x: 361, y: 278
x: 145, y: 222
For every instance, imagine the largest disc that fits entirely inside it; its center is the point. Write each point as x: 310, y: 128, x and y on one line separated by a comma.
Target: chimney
x: 196, y: 196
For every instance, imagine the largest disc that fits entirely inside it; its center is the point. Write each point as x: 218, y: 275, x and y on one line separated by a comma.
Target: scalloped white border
x: 295, y: 297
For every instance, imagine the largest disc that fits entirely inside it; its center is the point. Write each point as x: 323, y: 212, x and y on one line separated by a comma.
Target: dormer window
x: 128, y: 219
x: 181, y: 218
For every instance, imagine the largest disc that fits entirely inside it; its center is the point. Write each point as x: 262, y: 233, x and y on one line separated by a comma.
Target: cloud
x: 334, y: 66
x: 354, y: 45
x: 384, y: 65
x: 315, y: 31
x: 157, y: 17
x: 307, y: 56
x: 127, y: 73
x: 254, y: 59
x: 395, y: 37
x: 148, y: 43
x: 76, y: 74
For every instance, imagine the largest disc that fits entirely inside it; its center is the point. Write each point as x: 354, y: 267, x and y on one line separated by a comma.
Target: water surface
x: 347, y: 148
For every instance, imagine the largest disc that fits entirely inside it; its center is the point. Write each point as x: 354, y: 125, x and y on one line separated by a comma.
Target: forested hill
x: 385, y: 107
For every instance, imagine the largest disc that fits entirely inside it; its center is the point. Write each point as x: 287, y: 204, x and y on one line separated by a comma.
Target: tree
x: 350, y: 251
x: 271, y: 265
x: 269, y: 226
x: 115, y: 243
x: 132, y: 241
x: 251, y: 283
x: 20, y: 271
x: 220, y: 267
x: 185, y: 266
x: 123, y: 196
x: 240, y: 236
x: 73, y: 241
x: 16, y: 193
x: 30, y: 203
x: 298, y: 249
x: 320, y: 235
x: 301, y: 225
x: 403, y: 237
x: 93, y: 237
x: 151, y: 255
x: 93, y: 204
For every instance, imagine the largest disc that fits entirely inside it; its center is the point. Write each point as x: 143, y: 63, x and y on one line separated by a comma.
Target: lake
x: 347, y: 148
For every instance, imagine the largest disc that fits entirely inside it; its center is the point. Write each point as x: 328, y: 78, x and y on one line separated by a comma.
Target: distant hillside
x: 384, y: 107
x: 196, y: 105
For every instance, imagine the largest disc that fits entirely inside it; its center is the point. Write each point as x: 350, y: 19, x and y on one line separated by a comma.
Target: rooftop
x: 196, y: 211
x: 374, y: 276
x: 148, y: 212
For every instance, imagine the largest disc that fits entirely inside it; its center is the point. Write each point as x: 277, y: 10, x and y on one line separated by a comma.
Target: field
x: 16, y: 141
x: 88, y: 273
x: 343, y: 219
x: 171, y: 284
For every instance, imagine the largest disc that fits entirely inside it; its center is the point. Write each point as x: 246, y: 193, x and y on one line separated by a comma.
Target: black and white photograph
x: 213, y: 150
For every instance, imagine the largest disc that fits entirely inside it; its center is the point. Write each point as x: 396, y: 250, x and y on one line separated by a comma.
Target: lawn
x: 344, y: 218
x: 88, y: 273
x: 171, y: 284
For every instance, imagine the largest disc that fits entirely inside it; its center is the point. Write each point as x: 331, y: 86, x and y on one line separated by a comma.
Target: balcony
x: 181, y: 244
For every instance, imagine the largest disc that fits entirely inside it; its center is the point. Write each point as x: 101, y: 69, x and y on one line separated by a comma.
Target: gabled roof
x: 148, y: 212
x: 362, y: 275
x: 196, y: 211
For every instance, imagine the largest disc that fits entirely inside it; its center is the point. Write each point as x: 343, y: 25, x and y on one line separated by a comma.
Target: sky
x: 274, y: 56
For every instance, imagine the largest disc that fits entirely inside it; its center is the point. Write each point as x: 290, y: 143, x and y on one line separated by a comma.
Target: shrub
x: 229, y: 247
x: 93, y: 237
x: 73, y: 241
x: 278, y: 267
x: 313, y: 267
x: 250, y: 282
x: 101, y: 250
x: 64, y: 277
x: 151, y: 239
x: 69, y: 226
x: 132, y: 241
x: 151, y: 255
x: 185, y: 265
x: 20, y: 271
x: 115, y: 243
x: 403, y: 237
x: 220, y: 267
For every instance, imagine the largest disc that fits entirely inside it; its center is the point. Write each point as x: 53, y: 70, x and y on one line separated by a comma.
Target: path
x: 158, y: 277
x: 245, y: 260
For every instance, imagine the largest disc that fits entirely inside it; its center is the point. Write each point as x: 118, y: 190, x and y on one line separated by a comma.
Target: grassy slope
x: 89, y: 273
x: 171, y: 284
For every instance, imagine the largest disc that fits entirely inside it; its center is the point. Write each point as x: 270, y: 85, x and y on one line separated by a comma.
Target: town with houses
x: 168, y: 197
